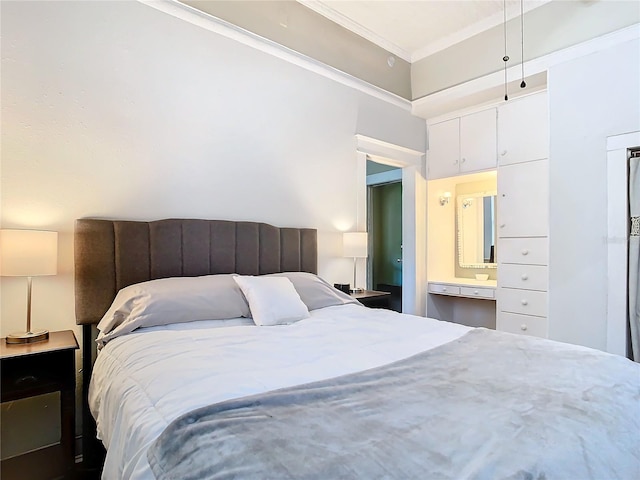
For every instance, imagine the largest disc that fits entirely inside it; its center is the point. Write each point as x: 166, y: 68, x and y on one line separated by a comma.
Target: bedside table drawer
x: 37, y: 373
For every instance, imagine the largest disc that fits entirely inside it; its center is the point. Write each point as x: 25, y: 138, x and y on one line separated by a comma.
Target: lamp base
x: 356, y: 290
x: 28, y: 337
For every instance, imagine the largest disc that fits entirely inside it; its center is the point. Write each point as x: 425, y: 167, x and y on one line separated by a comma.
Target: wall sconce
x: 28, y: 253
x: 444, y: 198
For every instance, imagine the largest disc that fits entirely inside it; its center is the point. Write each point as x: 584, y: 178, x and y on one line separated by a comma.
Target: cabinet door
x: 523, y: 200
x: 523, y: 130
x: 478, y: 141
x: 444, y: 149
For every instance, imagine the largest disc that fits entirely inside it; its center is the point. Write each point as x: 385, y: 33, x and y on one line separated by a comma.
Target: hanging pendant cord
x: 523, y: 83
x: 505, y: 58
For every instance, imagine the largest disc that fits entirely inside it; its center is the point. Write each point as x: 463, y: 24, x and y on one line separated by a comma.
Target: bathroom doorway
x: 384, y: 218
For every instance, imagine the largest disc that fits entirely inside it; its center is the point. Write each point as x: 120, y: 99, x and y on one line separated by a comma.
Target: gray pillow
x: 316, y: 292
x: 172, y: 300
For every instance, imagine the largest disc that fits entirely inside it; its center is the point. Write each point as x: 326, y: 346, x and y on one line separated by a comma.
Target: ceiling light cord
x: 523, y: 83
x: 505, y: 58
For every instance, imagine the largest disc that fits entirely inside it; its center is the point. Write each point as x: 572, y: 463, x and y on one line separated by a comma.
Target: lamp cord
x: 523, y: 83
x: 505, y: 58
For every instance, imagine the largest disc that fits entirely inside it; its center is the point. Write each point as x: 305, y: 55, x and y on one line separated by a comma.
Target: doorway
x: 384, y: 218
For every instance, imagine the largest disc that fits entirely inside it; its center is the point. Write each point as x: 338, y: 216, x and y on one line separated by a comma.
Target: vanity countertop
x: 466, y: 281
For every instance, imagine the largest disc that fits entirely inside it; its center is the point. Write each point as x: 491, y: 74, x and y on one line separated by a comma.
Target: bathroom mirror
x: 477, y: 237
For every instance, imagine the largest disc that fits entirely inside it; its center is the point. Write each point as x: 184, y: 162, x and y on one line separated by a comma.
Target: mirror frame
x: 459, y: 199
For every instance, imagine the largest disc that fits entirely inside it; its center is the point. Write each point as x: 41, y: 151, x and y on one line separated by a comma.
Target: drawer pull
x: 502, y: 225
x: 444, y: 289
x: 26, y: 380
x: 503, y: 153
x: 475, y: 292
x: 525, y: 252
x: 525, y: 276
x: 524, y: 302
x: 523, y: 327
x: 464, y: 159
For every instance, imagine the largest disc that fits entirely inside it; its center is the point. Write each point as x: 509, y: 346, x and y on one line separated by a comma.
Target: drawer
x: 444, y: 289
x: 479, y: 292
x: 530, y: 277
x: 522, y: 324
x: 35, y: 374
x: 529, y: 251
x: 526, y: 302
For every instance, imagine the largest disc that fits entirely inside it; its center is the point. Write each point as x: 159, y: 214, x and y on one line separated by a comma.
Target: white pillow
x: 172, y: 300
x: 272, y: 300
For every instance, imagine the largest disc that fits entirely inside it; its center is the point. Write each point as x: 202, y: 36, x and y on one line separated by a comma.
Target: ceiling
x: 416, y: 29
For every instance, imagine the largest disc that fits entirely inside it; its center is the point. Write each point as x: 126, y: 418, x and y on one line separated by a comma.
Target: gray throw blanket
x: 489, y: 405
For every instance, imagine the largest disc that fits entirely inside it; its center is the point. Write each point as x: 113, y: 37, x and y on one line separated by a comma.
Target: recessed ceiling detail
x: 416, y: 29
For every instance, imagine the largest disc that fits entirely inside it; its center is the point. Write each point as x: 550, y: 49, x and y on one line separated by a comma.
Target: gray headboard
x: 112, y: 254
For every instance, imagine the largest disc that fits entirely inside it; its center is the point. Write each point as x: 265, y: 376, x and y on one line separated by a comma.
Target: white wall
x: 113, y: 109
x: 590, y: 98
x: 117, y: 110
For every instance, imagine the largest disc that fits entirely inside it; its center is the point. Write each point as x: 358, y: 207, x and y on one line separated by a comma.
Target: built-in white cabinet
x: 478, y: 141
x: 523, y: 216
x: 444, y: 149
x: 463, y: 145
x: 523, y: 199
x: 512, y: 138
x: 523, y: 129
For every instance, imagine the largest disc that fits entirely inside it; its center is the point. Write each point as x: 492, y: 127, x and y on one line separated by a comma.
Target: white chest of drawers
x: 523, y: 218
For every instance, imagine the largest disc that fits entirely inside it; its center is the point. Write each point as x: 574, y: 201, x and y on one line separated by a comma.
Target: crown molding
x: 336, y: 17
x: 213, y: 24
x: 472, y: 30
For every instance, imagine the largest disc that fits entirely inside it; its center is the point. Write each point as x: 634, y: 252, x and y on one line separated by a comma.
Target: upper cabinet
x: 444, y: 149
x: 462, y: 145
x: 523, y: 129
x: 478, y: 146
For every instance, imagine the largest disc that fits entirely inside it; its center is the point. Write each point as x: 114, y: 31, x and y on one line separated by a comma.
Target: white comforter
x: 144, y: 380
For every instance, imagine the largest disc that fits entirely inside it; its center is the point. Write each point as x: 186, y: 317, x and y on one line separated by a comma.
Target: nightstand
x: 373, y: 298
x: 35, y: 369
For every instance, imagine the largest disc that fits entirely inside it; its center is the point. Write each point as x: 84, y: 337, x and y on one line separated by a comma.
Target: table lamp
x: 355, y: 245
x: 28, y: 253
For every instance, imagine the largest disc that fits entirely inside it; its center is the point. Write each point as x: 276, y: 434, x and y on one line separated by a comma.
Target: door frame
x: 382, y: 180
x: 414, y: 212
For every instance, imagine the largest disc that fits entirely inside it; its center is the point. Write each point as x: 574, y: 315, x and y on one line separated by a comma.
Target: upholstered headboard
x: 112, y: 254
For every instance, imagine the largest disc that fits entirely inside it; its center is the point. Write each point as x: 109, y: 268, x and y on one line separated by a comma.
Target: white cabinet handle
x: 502, y: 225
x: 464, y: 159
x: 475, y: 292
x: 455, y: 162
x: 524, y: 302
x: 503, y: 153
x: 525, y: 251
x: 525, y: 276
x: 523, y: 327
x: 444, y: 289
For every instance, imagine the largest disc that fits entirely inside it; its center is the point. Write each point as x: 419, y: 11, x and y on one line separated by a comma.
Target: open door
x: 385, y: 237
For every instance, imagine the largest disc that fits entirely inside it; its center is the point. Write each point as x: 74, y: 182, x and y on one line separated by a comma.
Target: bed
x: 223, y: 355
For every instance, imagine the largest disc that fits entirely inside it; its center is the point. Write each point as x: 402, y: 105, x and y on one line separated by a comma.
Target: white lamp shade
x: 355, y: 244
x: 28, y: 253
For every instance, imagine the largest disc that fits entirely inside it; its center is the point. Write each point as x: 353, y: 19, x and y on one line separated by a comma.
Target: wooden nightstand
x: 35, y: 369
x: 373, y: 298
